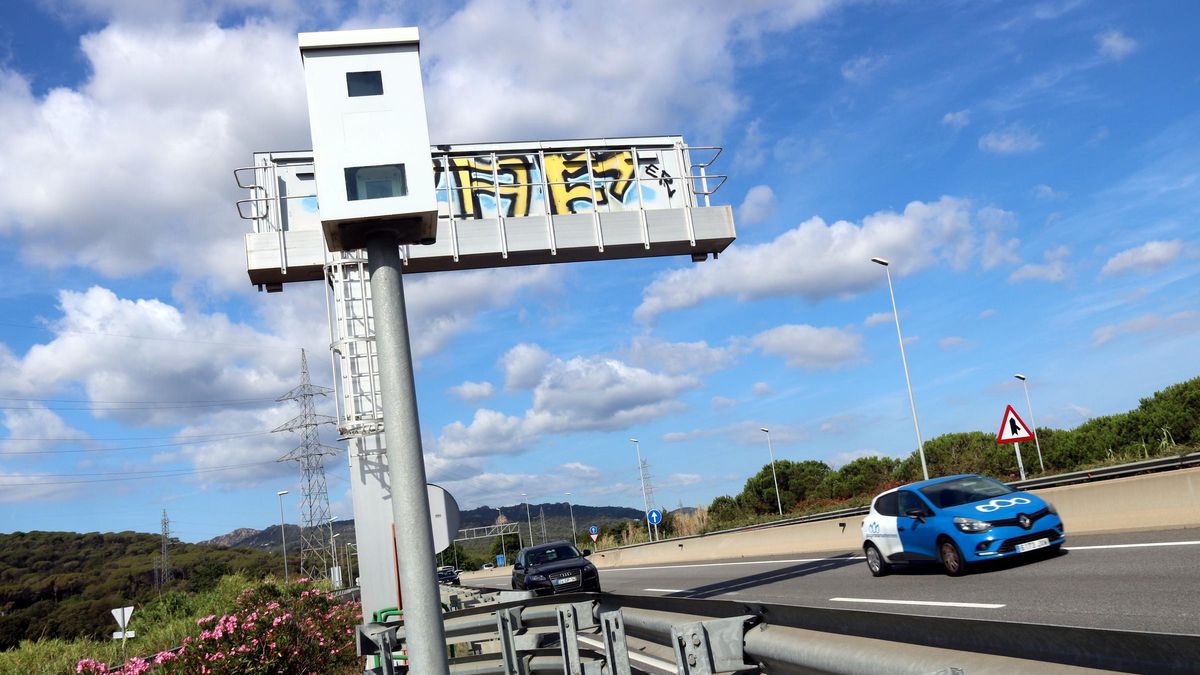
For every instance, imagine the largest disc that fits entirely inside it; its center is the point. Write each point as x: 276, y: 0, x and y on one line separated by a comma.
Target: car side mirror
x: 518, y: 566
x: 587, y: 552
x: 919, y: 514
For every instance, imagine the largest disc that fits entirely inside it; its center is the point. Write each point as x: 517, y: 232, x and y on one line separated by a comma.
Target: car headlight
x: 589, y: 571
x: 1051, y: 509
x: 537, y: 577
x: 971, y: 525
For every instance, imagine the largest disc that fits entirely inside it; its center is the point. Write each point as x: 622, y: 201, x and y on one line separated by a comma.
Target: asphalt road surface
x: 1146, y: 581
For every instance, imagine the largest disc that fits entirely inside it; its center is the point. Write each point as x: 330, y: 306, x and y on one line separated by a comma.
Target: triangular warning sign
x: 1012, y: 428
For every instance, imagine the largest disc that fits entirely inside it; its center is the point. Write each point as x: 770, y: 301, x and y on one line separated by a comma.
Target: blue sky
x: 1029, y: 169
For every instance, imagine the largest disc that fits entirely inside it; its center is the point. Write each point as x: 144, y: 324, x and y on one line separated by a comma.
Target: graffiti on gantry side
x: 513, y: 184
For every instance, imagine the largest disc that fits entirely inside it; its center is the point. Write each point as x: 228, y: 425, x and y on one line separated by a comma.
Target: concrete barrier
x: 1166, y: 500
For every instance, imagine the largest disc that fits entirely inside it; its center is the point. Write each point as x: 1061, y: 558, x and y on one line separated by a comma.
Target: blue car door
x: 918, y: 533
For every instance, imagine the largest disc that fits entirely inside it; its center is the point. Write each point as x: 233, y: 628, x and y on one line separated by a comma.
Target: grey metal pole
x: 425, y: 634
x: 641, y: 477
x: 332, y: 554
x: 912, y: 402
x: 778, y: 501
x: 528, y: 518
x: 1032, y: 423
x: 574, y: 534
x: 283, y: 533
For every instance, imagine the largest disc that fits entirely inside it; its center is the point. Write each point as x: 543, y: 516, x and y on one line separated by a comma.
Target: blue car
x: 957, y: 520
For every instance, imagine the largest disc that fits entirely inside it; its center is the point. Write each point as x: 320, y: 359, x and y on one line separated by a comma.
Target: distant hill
x: 63, y: 584
x: 558, y: 525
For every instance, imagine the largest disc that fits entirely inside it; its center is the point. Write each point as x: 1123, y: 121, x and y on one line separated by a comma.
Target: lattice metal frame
x: 316, y: 519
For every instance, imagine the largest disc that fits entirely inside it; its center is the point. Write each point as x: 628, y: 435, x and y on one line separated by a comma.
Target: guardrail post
x: 615, y: 647
x: 508, y: 622
x: 568, y: 640
x: 707, y: 647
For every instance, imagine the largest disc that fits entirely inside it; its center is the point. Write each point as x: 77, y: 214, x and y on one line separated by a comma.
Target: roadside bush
x: 295, y: 629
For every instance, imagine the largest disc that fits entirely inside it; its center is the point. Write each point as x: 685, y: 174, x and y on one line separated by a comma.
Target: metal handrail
x: 592, y: 634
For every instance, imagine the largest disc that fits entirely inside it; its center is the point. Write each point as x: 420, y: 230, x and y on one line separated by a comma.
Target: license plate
x: 565, y: 580
x: 1040, y: 543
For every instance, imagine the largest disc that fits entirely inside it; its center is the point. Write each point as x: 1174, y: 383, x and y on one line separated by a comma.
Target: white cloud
x: 1178, y: 323
x: 818, y: 260
x: 758, y: 205
x: 442, y: 306
x: 580, y: 394
x: 1053, y: 270
x: 253, y: 456
x: 473, y: 391
x: 679, y: 358
x: 763, y: 389
x: 861, y: 69
x: 1043, y: 191
x: 1115, y: 45
x: 987, y: 313
x: 1010, y: 140
x: 130, y: 170
x: 524, y: 366
x: 841, y: 459
x: 1149, y: 257
x: 722, y: 402
x: 951, y: 342
x: 877, y: 318
x: 810, y: 347
x: 998, y: 248
x: 571, y: 88
x: 958, y: 119
x: 26, y: 426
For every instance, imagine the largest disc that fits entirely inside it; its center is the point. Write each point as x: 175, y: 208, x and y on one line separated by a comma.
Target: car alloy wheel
x: 952, y: 558
x: 875, y: 561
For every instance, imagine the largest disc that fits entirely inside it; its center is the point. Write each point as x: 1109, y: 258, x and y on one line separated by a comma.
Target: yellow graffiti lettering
x: 474, y: 177
x: 571, y: 188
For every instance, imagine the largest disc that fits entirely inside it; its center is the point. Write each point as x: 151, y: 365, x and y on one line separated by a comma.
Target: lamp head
x: 281, y: 493
x: 879, y: 261
x: 1019, y: 377
x: 633, y: 440
x: 765, y: 430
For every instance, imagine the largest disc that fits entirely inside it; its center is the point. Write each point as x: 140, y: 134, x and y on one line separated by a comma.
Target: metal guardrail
x: 602, y: 634
x: 1182, y: 461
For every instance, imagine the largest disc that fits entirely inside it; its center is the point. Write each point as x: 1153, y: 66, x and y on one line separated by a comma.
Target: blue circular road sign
x: 655, y: 516
x: 593, y: 530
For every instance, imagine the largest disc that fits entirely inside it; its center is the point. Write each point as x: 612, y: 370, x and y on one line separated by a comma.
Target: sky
x: 1029, y: 169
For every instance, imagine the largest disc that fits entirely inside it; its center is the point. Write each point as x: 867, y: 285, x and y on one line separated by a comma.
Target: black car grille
x: 562, y: 574
x: 1011, y: 544
x: 1033, y: 518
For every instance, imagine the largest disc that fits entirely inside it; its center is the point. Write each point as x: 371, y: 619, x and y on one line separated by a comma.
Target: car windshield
x: 551, y: 554
x: 964, y: 491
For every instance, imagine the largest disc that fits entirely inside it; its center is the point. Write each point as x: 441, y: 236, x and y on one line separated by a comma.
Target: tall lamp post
x: 283, y: 533
x: 642, y: 477
x: 778, y: 501
x: 1032, y: 423
x: 904, y: 361
x: 528, y: 518
x: 574, y: 534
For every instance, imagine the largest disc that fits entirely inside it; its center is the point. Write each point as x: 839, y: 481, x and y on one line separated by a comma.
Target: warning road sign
x: 1013, y: 429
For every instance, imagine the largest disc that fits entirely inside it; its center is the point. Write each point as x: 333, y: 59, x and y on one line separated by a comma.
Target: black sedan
x: 557, y: 567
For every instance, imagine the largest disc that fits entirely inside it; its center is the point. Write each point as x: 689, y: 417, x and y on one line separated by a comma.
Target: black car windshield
x: 552, y: 554
x: 964, y: 491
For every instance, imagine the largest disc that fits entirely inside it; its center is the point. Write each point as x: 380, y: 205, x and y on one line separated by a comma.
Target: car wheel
x: 875, y: 562
x: 952, y: 558
x: 514, y: 585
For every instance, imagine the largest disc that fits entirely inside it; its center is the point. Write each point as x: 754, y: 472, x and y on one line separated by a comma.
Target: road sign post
x: 594, y: 533
x: 122, y: 614
x: 1014, y: 430
x: 654, y: 517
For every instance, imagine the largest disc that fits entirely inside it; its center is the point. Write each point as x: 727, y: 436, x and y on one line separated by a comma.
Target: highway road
x: 1147, y: 581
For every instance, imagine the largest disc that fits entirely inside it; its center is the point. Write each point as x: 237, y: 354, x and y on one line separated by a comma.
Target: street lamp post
x: 778, y: 501
x: 1032, y: 423
x: 904, y: 361
x: 528, y: 518
x: 574, y: 534
x: 283, y: 533
x: 642, y: 477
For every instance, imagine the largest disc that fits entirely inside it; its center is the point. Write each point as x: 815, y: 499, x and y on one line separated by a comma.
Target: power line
x: 128, y: 438
x: 174, y: 474
x: 59, y: 332
x: 131, y: 447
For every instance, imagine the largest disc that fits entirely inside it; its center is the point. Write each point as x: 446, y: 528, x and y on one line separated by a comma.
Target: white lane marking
x: 724, y: 564
x: 927, y: 603
x: 664, y: 590
x: 1156, y: 543
x: 633, y: 656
